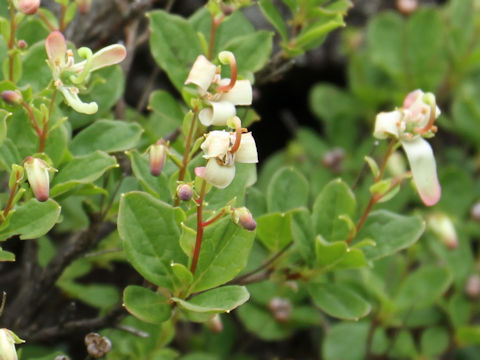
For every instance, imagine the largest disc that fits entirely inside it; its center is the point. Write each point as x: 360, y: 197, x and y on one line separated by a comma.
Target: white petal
x: 424, y: 169
x: 72, y: 99
x: 107, y: 56
x: 386, y: 124
x: 216, y: 144
x: 219, y: 176
x: 218, y: 114
x: 247, y: 152
x: 240, y: 94
x: 202, y: 73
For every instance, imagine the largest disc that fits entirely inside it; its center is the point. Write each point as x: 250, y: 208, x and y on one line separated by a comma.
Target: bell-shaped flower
x: 222, y: 150
x: 69, y: 76
x: 157, y: 157
x: 38, y: 177
x: 409, y: 125
x: 8, y: 339
x: 224, y: 94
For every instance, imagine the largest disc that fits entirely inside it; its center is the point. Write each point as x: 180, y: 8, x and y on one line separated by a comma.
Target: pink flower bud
x: 243, y: 217
x: 38, y: 177
x: 333, y: 160
x: 472, y: 288
x: 184, y: 192
x: 158, y: 156
x: 215, y: 324
x: 281, y: 309
x: 475, y: 211
x: 442, y: 226
x: 22, y: 44
x: 407, y: 6
x: 84, y: 6
x: 12, y: 97
x: 28, y: 7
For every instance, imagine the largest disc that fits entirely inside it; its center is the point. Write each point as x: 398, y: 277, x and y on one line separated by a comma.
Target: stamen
x: 430, y: 125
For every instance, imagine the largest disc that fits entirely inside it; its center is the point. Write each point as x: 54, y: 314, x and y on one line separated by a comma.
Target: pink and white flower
x: 224, y: 94
x: 68, y: 76
x: 222, y: 152
x: 410, y: 124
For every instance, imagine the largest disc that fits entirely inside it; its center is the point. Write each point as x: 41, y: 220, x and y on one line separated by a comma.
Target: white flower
x: 38, y: 177
x: 408, y: 125
x: 222, y: 152
x: 8, y: 339
x: 225, y: 96
x: 68, y: 76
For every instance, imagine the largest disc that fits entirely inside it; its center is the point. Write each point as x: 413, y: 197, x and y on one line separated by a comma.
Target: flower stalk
x: 200, y: 227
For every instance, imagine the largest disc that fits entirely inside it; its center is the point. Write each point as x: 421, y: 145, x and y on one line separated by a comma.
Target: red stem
x: 212, y: 220
x: 213, y: 31
x: 32, y: 118
x: 199, y: 237
x: 233, y: 77
x: 186, y: 154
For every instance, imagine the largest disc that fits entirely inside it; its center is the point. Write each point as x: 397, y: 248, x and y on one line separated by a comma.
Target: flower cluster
x: 410, y: 124
x: 69, y: 76
x: 221, y: 148
x: 224, y: 94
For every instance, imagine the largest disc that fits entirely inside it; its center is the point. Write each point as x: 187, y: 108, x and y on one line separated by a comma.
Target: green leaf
x: 425, y: 49
x: 384, y: 38
x: 106, y: 135
x: 36, y: 72
x: 82, y: 170
x: 32, y: 30
x: 329, y: 253
x: 423, y: 287
x: 391, y: 233
x: 6, y: 255
x: 287, y: 190
x: 434, y: 341
x: 106, y: 87
x: 258, y: 43
x: 146, y: 304
x: 261, y: 323
x: 274, y: 17
x: 31, y: 219
x: 155, y: 185
x: 303, y: 236
x: 468, y: 335
x: 166, y: 116
x: 343, y: 338
x: 9, y: 154
x: 215, y: 301
x: 273, y: 230
x: 223, y: 255
x: 339, y: 301
x: 101, y: 296
x: 314, y: 35
x: 335, y: 200
x: 149, y: 229
x: 174, y: 45
x: 3, y: 125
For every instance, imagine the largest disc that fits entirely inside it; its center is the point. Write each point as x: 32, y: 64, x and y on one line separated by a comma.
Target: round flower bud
x: 475, y: 211
x: 472, y: 288
x: 12, y: 97
x: 61, y: 357
x: 22, y: 44
x: 97, y: 345
x: 184, y: 192
x: 215, y: 324
x: 333, y: 160
x: 243, y: 217
x: 407, y: 7
x: 84, y: 6
x: 280, y: 309
x: 28, y: 7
